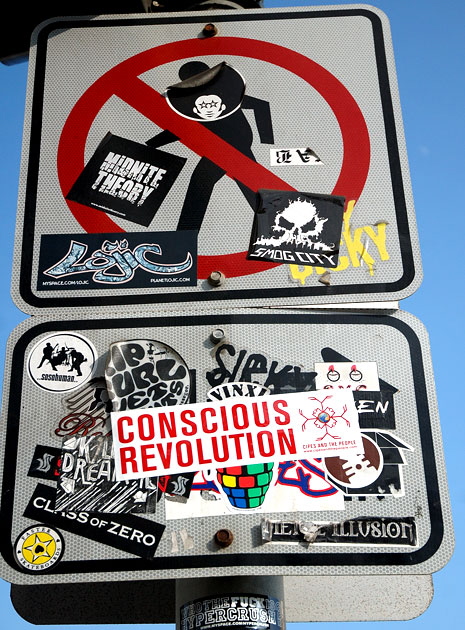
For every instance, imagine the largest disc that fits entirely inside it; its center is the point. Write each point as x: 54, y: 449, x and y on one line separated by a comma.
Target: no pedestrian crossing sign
x: 262, y: 165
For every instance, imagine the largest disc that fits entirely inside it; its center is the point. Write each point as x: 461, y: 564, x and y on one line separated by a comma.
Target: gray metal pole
x: 222, y: 603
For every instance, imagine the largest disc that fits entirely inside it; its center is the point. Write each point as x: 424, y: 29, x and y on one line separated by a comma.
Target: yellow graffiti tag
x: 356, y: 243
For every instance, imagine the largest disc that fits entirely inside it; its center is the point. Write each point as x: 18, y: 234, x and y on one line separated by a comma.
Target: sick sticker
x: 39, y: 548
x: 61, y: 362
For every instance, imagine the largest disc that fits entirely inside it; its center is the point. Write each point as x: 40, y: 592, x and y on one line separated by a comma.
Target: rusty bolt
x: 224, y: 537
x: 209, y: 30
x: 216, y: 278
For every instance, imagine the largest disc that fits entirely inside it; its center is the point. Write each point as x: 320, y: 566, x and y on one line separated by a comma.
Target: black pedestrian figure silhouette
x: 215, y: 98
x: 47, y: 353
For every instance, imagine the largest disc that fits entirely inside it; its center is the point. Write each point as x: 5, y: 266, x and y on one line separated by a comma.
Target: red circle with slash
x: 123, y: 82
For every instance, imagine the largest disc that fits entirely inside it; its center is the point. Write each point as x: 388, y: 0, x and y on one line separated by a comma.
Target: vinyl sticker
x: 297, y: 228
x: 45, y: 463
x: 240, y: 611
x: 96, y: 261
x: 126, y: 179
x: 146, y: 373
x: 87, y: 411
x: 236, y: 369
x: 127, y: 532
x: 347, y: 375
x: 61, y: 362
x: 235, y: 432
x: 294, y: 157
x: 375, y: 470
x: 39, y: 548
x: 87, y: 481
x: 206, y: 94
x: 358, y: 531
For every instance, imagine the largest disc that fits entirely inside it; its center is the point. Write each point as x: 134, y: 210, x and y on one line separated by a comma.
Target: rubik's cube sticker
x: 246, y: 486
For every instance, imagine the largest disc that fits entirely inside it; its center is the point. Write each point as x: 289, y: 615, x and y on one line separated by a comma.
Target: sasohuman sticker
x: 61, y: 362
x: 237, y: 431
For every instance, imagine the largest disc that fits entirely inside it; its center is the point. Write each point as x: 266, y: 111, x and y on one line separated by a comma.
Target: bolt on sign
x: 270, y: 156
x: 324, y: 455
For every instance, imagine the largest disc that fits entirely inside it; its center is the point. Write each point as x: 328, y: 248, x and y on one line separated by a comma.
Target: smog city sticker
x: 61, y: 362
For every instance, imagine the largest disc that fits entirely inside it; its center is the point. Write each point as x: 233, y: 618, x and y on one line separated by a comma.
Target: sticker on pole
x: 240, y: 431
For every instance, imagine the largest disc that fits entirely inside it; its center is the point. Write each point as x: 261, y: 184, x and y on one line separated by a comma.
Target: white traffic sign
x: 380, y: 510
x: 270, y: 155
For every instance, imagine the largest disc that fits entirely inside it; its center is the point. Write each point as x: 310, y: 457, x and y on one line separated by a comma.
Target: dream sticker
x: 39, y: 548
x: 145, y: 373
x: 297, y: 228
x: 347, y: 375
x: 61, y: 362
x: 126, y: 179
x: 87, y: 480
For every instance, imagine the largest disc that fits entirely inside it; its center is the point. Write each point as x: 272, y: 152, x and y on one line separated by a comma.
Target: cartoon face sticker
x: 204, y: 93
x: 209, y: 106
x: 347, y: 375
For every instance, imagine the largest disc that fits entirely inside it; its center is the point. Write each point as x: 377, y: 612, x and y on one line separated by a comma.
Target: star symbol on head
x: 212, y: 103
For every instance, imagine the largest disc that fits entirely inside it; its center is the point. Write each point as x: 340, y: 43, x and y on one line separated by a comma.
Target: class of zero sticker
x: 39, y: 548
x: 61, y: 362
x: 123, y: 82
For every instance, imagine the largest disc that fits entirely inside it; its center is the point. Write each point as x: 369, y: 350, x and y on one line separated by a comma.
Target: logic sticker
x: 96, y: 261
x: 61, y: 362
x: 38, y: 548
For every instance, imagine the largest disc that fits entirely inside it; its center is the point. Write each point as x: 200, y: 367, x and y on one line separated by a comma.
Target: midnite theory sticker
x: 126, y: 179
x: 61, y: 362
x: 38, y: 548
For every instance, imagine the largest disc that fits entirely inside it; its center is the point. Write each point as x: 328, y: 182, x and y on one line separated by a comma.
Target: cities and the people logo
x: 61, y: 362
x: 39, y: 548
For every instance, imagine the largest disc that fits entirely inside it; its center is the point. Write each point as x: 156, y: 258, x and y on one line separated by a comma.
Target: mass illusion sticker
x: 297, y: 228
x: 38, y: 548
x: 61, y: 362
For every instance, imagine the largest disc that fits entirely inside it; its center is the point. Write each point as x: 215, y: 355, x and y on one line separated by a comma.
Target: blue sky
x: 429, y: 49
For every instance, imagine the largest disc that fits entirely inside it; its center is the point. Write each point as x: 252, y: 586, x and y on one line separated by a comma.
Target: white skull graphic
x: 299, y: 223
